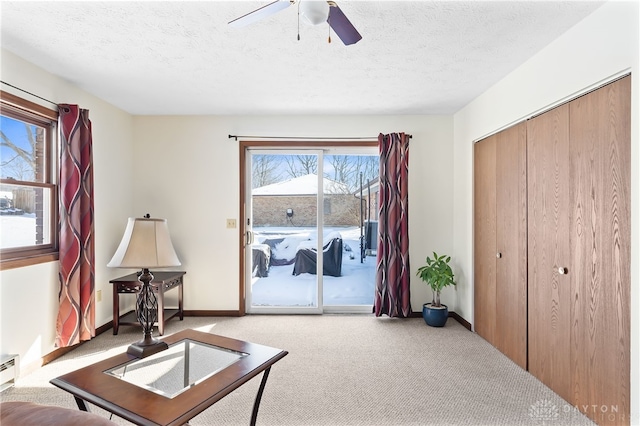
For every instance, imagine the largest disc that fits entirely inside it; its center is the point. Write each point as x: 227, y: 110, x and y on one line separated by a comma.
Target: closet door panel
x: 511, y: 243
x: 600, y: 274
x: 549, y: 291
x: 485, y: 238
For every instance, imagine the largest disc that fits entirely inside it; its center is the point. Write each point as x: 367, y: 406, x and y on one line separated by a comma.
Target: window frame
x: 21, y: 109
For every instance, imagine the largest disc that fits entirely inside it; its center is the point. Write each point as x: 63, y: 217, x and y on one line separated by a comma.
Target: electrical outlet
x: 231, y: 223
x: 99, y: 295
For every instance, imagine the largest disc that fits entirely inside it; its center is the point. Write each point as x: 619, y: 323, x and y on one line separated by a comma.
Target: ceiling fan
x: 313, y: 12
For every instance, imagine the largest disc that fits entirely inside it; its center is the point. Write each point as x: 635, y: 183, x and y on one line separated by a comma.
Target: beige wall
x: 602, y: 46
x: 186, y: 170
x: 28, y: 296
x: 193, y: 159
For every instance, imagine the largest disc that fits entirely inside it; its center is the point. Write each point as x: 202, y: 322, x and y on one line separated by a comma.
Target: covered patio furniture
x: 306, y: 259
x: 261, y: 260
x: 274, y: 244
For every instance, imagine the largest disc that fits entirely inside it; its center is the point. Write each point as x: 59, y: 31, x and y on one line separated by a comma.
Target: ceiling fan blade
x: 261, y: 13
x: 342, y: 26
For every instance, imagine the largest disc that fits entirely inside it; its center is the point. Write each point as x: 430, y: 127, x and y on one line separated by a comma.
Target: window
x: 327, y: 205
x: 28, y: 193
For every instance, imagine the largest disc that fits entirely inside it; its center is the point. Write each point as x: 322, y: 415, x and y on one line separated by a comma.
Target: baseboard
x: 104, y: 327
x: 57, y: 353
x: 466, y: 324
x: 212, y: 314
x: 452, y: 314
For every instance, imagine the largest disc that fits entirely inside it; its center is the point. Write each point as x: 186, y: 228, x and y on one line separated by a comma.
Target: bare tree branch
x: 22, y: 166
x: 264, y: 170
x: 301, y: 165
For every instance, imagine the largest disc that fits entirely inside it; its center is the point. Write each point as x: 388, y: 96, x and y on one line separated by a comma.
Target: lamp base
x: 146, y: 347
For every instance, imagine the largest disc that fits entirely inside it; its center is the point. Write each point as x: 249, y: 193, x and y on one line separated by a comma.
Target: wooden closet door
x: 600, y: 235
x: 484, y: 247
x: 549, y: 291
x: 511, y: 243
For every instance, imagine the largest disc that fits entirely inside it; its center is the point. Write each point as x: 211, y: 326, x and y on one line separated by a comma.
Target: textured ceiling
x: 418, y: 57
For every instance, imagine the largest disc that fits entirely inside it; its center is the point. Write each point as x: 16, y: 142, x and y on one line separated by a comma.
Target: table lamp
x: 145, y: 244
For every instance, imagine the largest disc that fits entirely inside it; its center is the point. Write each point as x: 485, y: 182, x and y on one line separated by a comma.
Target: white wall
x: 603, y: 45
x: 192, y: 180
x: 186, y: 169
x: 28, y: 296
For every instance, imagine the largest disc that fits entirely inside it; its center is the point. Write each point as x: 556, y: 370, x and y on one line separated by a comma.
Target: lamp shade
x: 314, y: 12
x: 145, y: 244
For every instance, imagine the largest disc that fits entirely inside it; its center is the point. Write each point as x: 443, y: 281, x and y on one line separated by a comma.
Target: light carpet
x: 348, y: 370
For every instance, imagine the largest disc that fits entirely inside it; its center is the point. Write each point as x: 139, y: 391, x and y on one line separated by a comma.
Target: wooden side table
x: 162, y: 282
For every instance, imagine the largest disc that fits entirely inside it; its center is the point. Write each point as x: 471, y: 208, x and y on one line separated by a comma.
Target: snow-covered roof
x: 303, y: 185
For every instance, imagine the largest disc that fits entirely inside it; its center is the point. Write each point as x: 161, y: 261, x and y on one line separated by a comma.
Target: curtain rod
x: 29, y: 93
x: 305, y: 138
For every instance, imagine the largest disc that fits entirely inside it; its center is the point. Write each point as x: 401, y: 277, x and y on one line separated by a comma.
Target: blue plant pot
x: 435, y: 317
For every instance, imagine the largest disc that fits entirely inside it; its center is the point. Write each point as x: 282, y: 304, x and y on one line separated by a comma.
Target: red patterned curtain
x: 392, y: 295
x: 76, y: 315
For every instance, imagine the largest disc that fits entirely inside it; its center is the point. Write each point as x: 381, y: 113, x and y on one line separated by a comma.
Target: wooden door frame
x: 244, y: 146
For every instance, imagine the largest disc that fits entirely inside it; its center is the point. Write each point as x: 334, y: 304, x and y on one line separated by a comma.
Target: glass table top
x: 173, y: 371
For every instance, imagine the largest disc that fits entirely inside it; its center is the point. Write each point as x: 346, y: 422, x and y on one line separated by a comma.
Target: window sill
x: 28, y: 261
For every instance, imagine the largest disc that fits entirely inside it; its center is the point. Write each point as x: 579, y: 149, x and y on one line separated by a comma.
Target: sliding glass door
x: 310, y: 234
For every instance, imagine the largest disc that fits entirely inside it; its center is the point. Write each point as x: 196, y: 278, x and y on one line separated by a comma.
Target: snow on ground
x: 282, y: 288
x: 17, y: 230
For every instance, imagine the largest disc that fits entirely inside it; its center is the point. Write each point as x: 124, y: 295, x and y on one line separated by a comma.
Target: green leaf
x: 437, y: 273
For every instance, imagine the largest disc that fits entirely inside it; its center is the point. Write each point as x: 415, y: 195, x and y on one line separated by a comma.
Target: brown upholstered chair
x: 17, y: 413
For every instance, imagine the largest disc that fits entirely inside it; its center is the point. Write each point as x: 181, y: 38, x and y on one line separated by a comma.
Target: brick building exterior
x: 271, y: 202
x: 339, y: 210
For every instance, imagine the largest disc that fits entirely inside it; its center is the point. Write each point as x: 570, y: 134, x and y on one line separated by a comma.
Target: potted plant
x: 437, y: 274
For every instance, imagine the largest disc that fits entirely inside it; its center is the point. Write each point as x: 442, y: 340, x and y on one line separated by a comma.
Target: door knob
x: 498, y: 255
x: 563, y: 271
x: 249, y: 238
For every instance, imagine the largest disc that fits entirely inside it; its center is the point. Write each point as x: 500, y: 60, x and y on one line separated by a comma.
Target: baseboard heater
x: 8, y: 371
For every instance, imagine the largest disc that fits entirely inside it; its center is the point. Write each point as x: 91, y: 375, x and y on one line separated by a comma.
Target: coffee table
x: 175, y: 385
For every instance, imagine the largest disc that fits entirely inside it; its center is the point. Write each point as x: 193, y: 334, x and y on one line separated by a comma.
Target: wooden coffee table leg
x: 256, y: 404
